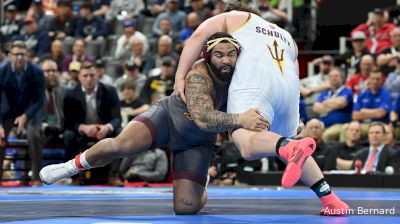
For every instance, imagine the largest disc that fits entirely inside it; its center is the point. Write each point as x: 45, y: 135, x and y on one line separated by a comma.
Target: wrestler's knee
x: 183, y: 206
x: 244, y: 141
x: 246, y: 149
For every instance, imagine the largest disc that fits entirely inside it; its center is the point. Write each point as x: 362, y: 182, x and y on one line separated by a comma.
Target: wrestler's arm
x: 200, y: 106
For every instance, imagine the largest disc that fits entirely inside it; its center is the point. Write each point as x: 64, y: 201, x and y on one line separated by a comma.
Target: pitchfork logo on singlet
x: 278, y: 59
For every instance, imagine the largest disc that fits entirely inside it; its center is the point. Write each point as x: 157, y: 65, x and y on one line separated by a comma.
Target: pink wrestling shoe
x: 333, y: 206
x: 295, y: 152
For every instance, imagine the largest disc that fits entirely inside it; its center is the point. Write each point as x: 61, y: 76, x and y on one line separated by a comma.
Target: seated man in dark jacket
x: 91, y: 110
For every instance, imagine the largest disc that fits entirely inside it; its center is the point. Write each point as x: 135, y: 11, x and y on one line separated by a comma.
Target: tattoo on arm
x: 200, y: 105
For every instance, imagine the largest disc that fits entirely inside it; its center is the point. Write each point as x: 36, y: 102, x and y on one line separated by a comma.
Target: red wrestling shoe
x: 333, y: 206
x: 295, y: 152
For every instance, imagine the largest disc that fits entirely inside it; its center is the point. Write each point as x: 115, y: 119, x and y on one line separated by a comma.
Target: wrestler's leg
x: 135, y: 138
x: 256, y: 145
x: 190, y: 170
x: 145, y: 131
x: 189, y: 197
x: 253, y: 145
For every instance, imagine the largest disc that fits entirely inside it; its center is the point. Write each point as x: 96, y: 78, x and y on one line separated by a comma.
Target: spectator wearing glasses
x: 22, y: 87
x: 53, y: 114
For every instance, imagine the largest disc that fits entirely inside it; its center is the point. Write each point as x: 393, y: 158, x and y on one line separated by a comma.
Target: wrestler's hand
x: 252, y: 120
x: 179, y: 89
x: 300, y: 129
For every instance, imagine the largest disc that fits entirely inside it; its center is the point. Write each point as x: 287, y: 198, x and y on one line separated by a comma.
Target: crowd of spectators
x: 353, y: 102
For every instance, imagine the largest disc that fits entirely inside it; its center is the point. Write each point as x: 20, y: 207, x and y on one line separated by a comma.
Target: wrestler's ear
x: 205, y: 54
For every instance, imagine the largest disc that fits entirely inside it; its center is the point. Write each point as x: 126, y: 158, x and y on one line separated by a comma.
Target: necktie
x: 371, y: 160
x: 50, y: 105
x: 91, y: 113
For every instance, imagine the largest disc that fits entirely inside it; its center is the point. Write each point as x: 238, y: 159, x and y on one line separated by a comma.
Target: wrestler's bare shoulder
x: 200, y: 67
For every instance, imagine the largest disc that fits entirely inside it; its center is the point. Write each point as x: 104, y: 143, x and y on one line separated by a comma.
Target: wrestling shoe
x: 51, y: 173
x: 295, y: 152
x: 333, y: 206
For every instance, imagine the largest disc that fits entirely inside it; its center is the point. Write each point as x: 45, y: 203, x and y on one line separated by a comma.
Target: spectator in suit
x: 53, y: 108
x: 91, y: 110
x: 377, y: 156
x: 324, y: 154
x: 22, y: 87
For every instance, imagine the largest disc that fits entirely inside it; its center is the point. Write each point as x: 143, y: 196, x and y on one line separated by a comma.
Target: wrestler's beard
x: 225, y: 76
